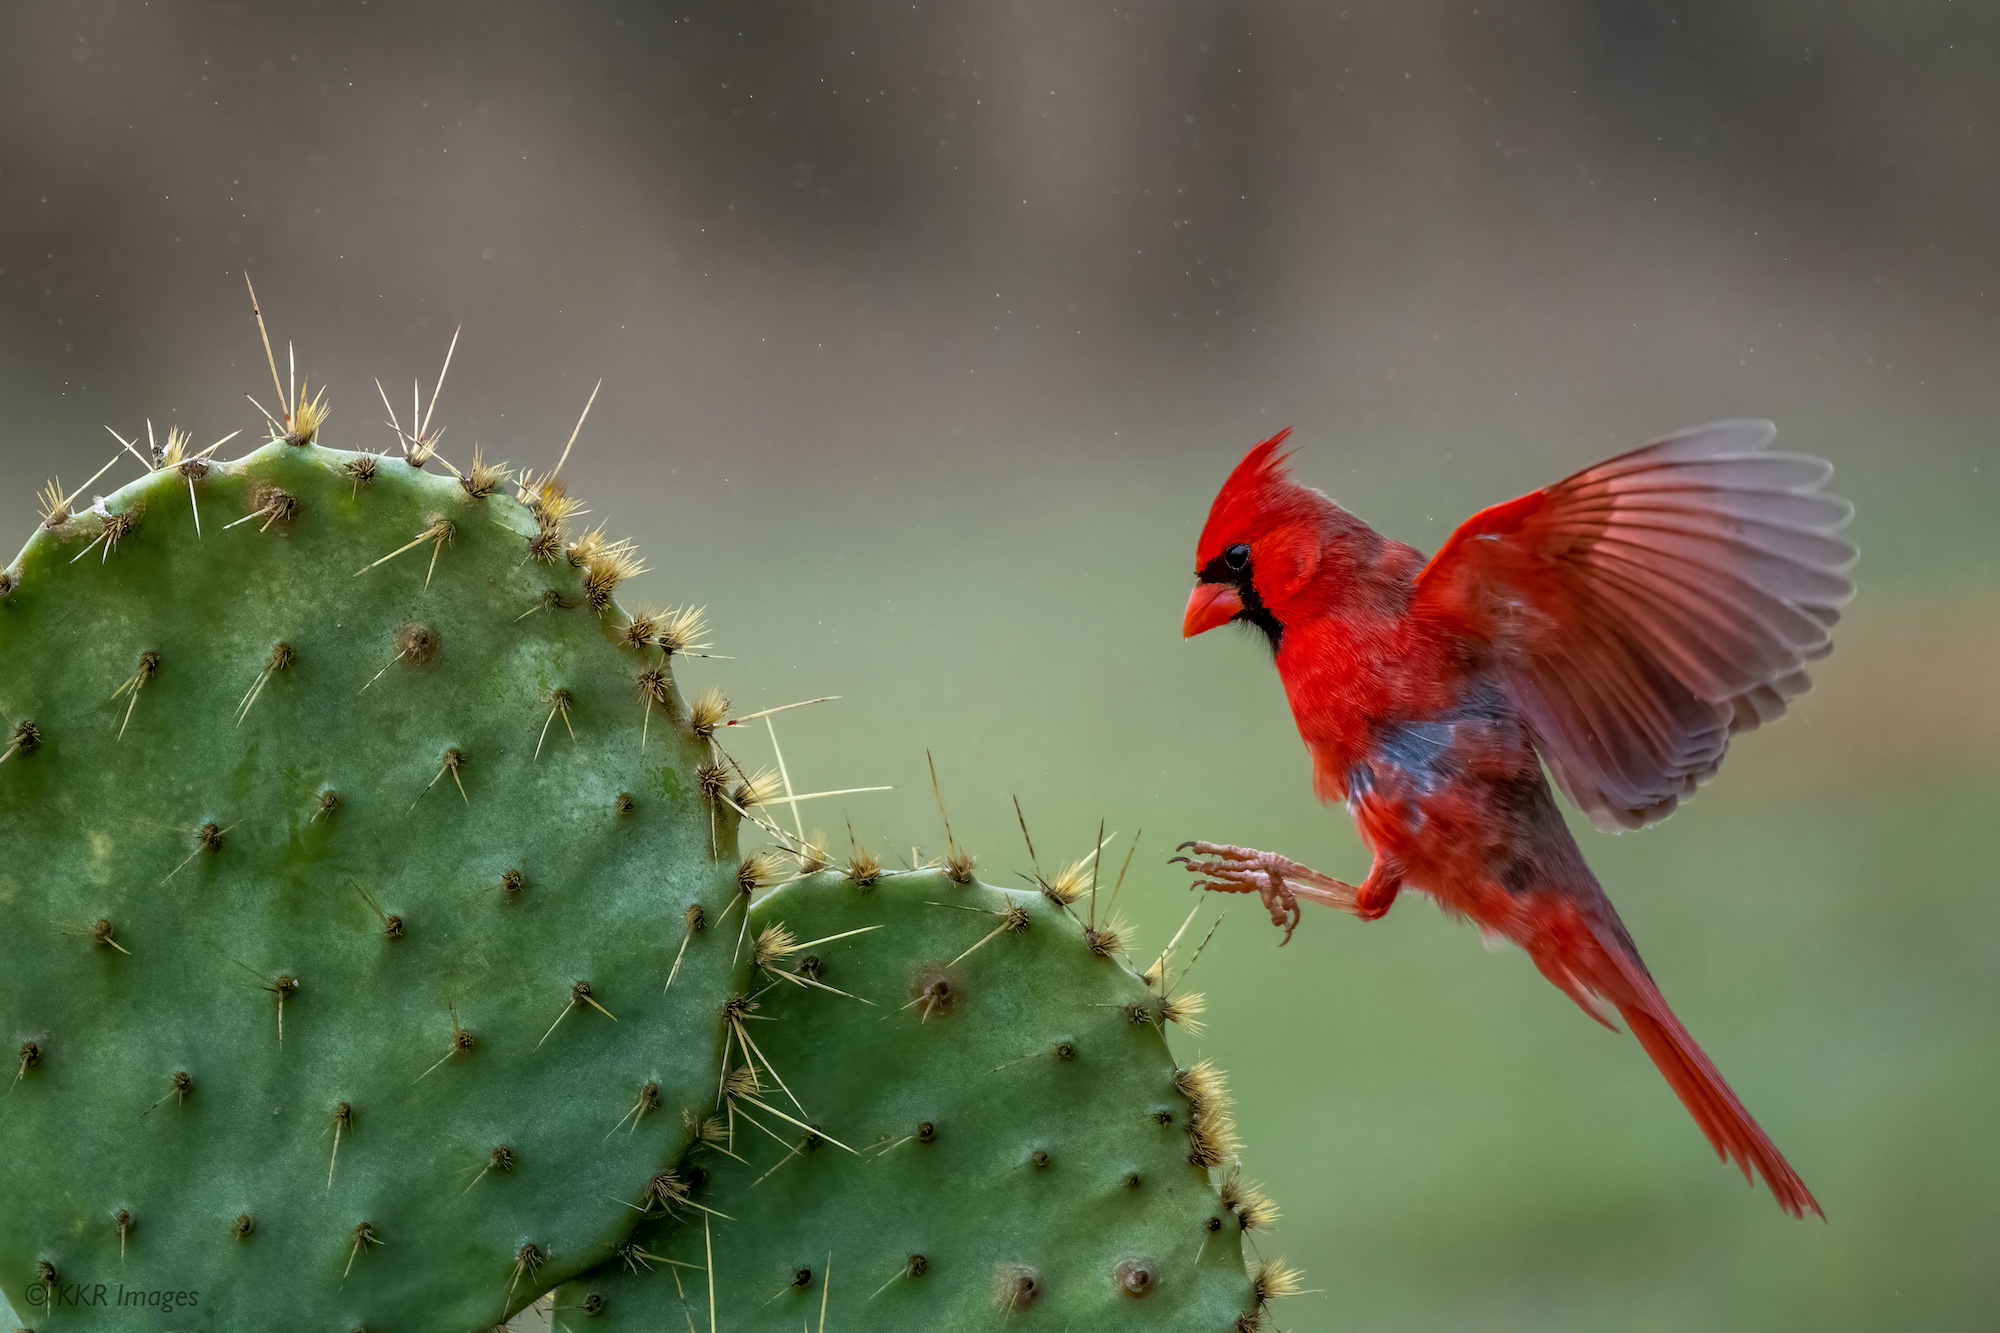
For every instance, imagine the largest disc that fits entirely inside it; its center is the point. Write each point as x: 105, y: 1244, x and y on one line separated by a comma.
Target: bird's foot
x: 1278, y: 880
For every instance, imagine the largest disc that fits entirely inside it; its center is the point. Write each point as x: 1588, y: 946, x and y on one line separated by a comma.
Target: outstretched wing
x: 1650, y: 607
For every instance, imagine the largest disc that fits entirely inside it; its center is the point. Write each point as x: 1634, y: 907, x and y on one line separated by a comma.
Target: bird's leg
x: 1377, y: 893
x: 1278, y: 880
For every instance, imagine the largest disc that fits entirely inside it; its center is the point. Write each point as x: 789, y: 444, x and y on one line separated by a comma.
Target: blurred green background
x: 927, y: 332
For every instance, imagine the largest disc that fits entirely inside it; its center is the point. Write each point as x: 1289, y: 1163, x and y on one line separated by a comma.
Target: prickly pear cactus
x: 350, y: 836
x: 950, y: 1107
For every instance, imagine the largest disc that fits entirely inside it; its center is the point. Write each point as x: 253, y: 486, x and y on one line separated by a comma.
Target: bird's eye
x: 1237, y: 557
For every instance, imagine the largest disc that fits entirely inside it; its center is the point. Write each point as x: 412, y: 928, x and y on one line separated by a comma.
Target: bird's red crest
x: 1246, y: 497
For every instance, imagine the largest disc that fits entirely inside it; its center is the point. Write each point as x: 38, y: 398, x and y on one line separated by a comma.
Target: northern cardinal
x: 1618, y: 627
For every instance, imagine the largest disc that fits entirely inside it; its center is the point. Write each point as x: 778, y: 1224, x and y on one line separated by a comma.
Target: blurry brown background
x: 927, y: 331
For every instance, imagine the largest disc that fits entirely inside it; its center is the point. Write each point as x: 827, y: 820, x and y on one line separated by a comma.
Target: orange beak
x: 1209, y: 605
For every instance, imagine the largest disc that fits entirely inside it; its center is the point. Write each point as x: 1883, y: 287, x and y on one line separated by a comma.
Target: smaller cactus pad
x: 947, y: 1110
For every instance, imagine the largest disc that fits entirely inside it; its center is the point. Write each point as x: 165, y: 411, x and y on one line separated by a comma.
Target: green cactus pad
x: 259, y: 779
x: 1025, y: 1154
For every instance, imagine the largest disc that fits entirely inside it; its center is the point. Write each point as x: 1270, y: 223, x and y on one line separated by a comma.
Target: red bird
x: 1618, y: 627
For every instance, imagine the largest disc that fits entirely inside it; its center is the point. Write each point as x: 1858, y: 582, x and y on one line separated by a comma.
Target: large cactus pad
x: 952, y: 1107
x: 338, y: 901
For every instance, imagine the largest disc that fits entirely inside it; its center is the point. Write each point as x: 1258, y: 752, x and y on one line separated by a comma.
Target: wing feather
x: 1647, y: 609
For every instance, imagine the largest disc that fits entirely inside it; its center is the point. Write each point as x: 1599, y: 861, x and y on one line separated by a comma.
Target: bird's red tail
x: 1621, y: 979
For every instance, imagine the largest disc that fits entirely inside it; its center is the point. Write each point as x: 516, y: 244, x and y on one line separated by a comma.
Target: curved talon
x: 1274, y: 893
